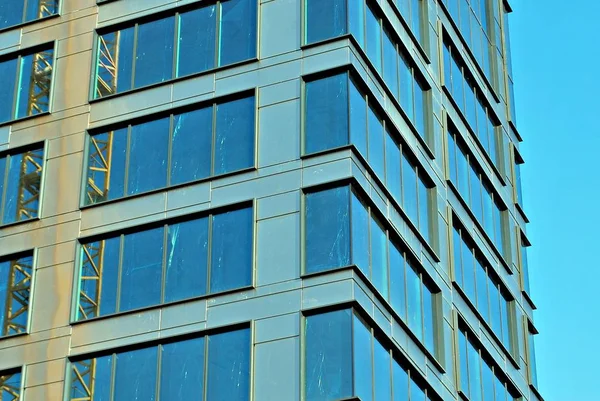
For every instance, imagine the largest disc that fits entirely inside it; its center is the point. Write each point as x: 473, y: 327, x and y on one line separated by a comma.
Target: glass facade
x: 167, y: 263
x: 15, y: 12
x: 16, y: 273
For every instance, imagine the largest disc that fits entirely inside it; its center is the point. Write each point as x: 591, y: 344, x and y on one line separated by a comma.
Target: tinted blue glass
x: 228, y: 368
x: 356, y: 16
x: 458, y: 84
x: 23, y: 169
x: 148, y: 155
x: 376, y: 147
x: 482, y: 291
x: 468, y: 264
x: 360, y: 235
x: 488, y: 382
x: 390, y: 64
x: 234, y: 147
x: 11, y: 211
x: 26, y: 66
x: 325, y: 19
x: 416, y: 393
x: 142, y: 269
x: 532, y: 360
x: 500, y: 390
x: 452, y: 158
x: 476, y: 201
x: 328, y: 356
x: 505, y: 321
x: 393, y: 171
x: 124, y: 39
x: 406, y: 87
x: 474, y: 374
x: 238, y: 31
x: 524, y: 265
x: 154, y: 52
x: 187, y: 258
x: 415, y: 312
x: 8, y: 76
x: 197, y: 40
x: 182, y: 370
x: 457, y: 247
x: 428, y: 318
x: 363, y: 361
x: 424, y: 210
x: 447, y: 69
x: 497, y: 235
x: 3, y: 161
x: 102, y: 378
x: 379, y: 266
x: 383, y: 384
x: 409, y: 186
x: 34, y: 11
x: 397, y: 281
x: 469, y: 109
x: 116, y: 185
x: 415, y: 18
x: 421, y: 107
x: 135, y: 376
x: 493, y: 152
x: 400, y: 383
x: 192, y: 146
x: 373, y: 39
x: 488, y: 215
x: 110, y: 275
x: 358, y: 120
x: 326, y: 124
x: 463, y: 345
x: 482, y: 125
x: 11, y: 13
x: 232, y: 248
x: 463, y: 173
x: 4, y: 279
x: 327, y: 229
x: 495, y: 309
x: 465, y: 20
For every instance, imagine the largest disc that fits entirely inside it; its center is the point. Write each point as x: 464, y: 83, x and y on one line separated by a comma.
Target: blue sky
x: 556, y: 57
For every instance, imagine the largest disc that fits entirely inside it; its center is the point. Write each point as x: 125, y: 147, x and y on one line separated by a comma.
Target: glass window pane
x: 192, y: 146
x: 11, y: 13
x: 463, y: 346
x: 8, y: 76
x: 154, y: 54
x: 328, y: 356
x: 400, y: 382
x: 107, y: 263
x: 415, y: 313
x: 24, y: 172
x: 415, y: 19
x: 232, y: 249
x: 474, y: 374
x: 135, y: 376
x: 228, y: 369
x: 393, y: 173
x: 488, y: 382
x: 148, y: 156
x: 325, y: 19
x: 363, y: 361
x: 106, y: 166
x: 376, y: 147
x: 383, y: 374
x: 124, y: 52
x: 505, y: 321
x: 390, y: 64
x: 463, y: 174
x: 15, y: 273
x: 452, y: 159
x: 327, y: 238
x: 468, y: 264
x: 476, y: 189
x: 373, y: 39
x: 458, y: 85
x: 238, y: 31
x: 429, y: 318
x: 409, y: 186
x: 142, y: 269
x: 234, y: 147
x: 482, y: 291
x: 397, y: 281
x: 187, y: 258
x: 500, y: 389
x: 358, y: 120
x: 487, y: 204
x: 379, y: 258
x: 424, y: 210
x: 360, y: 235
x: 416, y: 393
x: 498, y: 240
x: 421, y: 108
x: 36, y: 76
x: 457, y: 247
x: 37, y: 9
x: 406, y: 87
x: 495, y: 309
x: 356, y: 15
x: 197, y: 40
x: 481, y: 130
x: 326, y: 125
x: 182, y: 370
x: 470, y: 104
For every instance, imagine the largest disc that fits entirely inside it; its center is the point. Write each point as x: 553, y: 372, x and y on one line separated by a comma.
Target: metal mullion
x: 406, y: 267
x: 352, y: 318
x: 164, y: 264
x: 113, y: 377
x: 127, y: 157
x: 349, y: 120
x: 218, y: 34
x: 133, y: 64
x: 209, y: 253
x: 423, y: 288
x: 213, y: 145
x: 372, y: 333
x: 205, y: 368
x: 175, y: 53
x: 170, y: 148
x: 120, y: 271
x: 370, y: 236
x: 158, y: 371
x: 350, y: 220
x: 24, y: 15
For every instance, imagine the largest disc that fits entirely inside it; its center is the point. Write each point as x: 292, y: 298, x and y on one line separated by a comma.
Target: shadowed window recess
x: 15, y: 12
x: 340, y: 230
x: 20, y: 184
x: 211, y: 367
x: 344, y: 357
x: 211, y: 140
x: 167, y: 263
x: 11, y: 385
x: 185, y: 43
x: 15, y: 294
x: 26, y: 81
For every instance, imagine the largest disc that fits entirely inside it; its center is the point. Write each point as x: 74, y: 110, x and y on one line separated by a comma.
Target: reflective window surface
x: 15, y: 12
x: 331, y: 216
x: 166, y: 263
x: 524, y: 264
x: 482, y: 287
x: 471, y: 103
x: 10, y: 385
x: 412, y: 11
x: 338, y: 114
x: 15, y: 292
x: 531, y: 362
x: 20, y: 185
x: 518, y: 188
x: 344, y: 358
x: 212, y: 367
x: 163, y: 52
x: 479, y: 378
x: 26, y: 81
x: 172, y: 150
x: 476, y: 191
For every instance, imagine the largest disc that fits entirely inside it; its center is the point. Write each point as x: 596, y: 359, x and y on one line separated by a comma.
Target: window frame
x: 24, y: 23
x: 43, y: 146
x: 164, y: 223
x: 171, y: 115
x: 174, y: 12
x: 32, y: 282
x: 21, y: 370
x: 18, y: 55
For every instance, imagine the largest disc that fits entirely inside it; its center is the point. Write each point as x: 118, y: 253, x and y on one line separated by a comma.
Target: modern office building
x: 268, y: 200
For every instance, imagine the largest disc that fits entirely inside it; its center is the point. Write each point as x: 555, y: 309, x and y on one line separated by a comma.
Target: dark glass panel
x: 228, y: 368
x: 379, y: 267
x: 154, y: 52
x: 197, y: 39
x: 135, y: 376
x: 325, y: 19
x: 234, y: 146
x: 363, y: 361
x: 238, y: 31
x: 148, y: 156
x: 397, y: 281
x: 360, y: 236
x: 358, y: 120
x: 8, y: 76
x: 182, y: 370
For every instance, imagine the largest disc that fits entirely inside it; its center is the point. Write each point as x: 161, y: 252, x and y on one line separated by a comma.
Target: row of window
x: 175, y: 46
x: 478, y: 281
x: 470, y: 102
x: 15, y: 12
x: 329, y: 19
x: 476, y: 191
x: 337, y: 113
x: 340, y: 230
x: 174, y: 261
x: 175, y: 149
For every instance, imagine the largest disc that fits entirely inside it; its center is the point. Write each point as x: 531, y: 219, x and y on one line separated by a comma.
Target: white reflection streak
x: 174, y: 238
x: 336, y: 243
